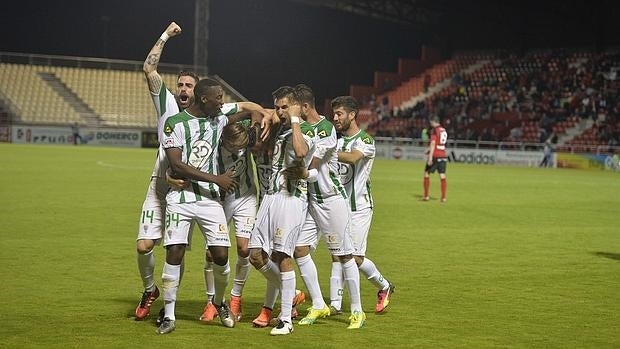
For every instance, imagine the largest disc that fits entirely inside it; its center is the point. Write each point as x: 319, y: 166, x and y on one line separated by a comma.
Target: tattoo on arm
x: 154, y: 81
x: 152, y: 59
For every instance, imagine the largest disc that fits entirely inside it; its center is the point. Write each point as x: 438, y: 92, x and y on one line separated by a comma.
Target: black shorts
x: 439, y: 165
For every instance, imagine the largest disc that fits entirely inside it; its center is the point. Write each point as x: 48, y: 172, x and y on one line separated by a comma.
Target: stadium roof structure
x: 414, y: 12
x: 431, y: 12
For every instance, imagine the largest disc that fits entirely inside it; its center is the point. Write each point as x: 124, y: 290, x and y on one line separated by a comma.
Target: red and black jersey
x: 440, y: 136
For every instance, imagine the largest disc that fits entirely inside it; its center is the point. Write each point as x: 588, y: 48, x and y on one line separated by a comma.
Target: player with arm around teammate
x: 356, y: 154
x: 283, y: 208
x: 191, y: 141
x: 328, y: 207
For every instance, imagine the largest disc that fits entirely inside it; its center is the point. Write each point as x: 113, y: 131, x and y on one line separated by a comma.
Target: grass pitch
x: 517, y: 258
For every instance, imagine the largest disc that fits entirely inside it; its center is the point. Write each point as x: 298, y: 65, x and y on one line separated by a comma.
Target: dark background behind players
x: 256, y: 45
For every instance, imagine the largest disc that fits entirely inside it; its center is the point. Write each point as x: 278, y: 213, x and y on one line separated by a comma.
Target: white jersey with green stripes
x: 328, y: 182
x: 284, y: 156
x: 198, y: 138
x: 166, y: 106
x: 356, y: 177
x: 264, y: 170
x: 241, y: 163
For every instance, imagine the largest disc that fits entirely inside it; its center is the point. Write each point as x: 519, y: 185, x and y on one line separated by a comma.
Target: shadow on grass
x: 190, y: 310
x: 420, y: 197
x: 609, y: 255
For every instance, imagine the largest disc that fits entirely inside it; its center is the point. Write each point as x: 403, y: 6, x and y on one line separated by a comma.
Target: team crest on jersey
x: 322, y: 134
x: 310, y: 133
x: 367, y: 140
x: 279, y: 233
x: 167, y: 130
x: 222, y: 229
x: 201, y: 152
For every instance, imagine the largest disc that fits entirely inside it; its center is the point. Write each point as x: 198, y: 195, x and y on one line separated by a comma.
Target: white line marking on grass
x: 123, y: 167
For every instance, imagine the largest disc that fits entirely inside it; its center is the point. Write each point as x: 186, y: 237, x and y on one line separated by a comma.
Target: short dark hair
x: 435, y: 118
x: 283, y: 91
x: 188, y: 73
x: 203, y: 85
x: 347, y: 102
x: 304, y: 94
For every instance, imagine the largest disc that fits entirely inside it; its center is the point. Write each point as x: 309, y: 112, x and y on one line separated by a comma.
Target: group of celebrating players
x: 311, y: 184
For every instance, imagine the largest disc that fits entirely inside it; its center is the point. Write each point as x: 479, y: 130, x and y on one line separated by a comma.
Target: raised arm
x: 299, y: 143
x: 153, y: 78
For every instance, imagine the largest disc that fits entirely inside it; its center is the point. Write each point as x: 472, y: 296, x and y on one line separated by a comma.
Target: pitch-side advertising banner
x: 87, y: 136
x: 470, y: 156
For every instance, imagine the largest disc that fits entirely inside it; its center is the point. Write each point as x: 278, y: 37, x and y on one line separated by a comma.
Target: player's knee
x: 301, y: 251
x: 345, y: 258
x: 256, y: 258
x: 219, y: 255
x: 145, y: 246
x: 174, y: 254
x: 243, y: 252
x: 359, y: 260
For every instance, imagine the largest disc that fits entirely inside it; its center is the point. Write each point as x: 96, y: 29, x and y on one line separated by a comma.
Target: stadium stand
x: 48, y: 94
x: 570, y: 96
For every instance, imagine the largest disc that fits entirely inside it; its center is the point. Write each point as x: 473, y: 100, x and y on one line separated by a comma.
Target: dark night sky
x: 258, y: 45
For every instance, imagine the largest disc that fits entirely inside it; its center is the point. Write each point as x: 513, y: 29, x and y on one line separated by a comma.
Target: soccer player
x: 151, y: 226
x: 283, y: 208
x: 191, y: 140
x: 356, y: 154
x: 239, y: 207
x: 437, y: 158
x: 328, y: 207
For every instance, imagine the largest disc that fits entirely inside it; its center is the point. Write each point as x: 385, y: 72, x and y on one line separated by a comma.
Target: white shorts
x: 278, y: 223
x: 243, y: 212
x: 208, y: 214
x: 151, y: 226
x: 360, y: 226
x: 333, y: 218
x: 309, y: 235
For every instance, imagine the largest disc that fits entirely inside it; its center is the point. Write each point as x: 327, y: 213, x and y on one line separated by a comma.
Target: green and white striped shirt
x: 328, y: 182
x: 356, y: 177
x: 284, y: 156
x: 198, y: 138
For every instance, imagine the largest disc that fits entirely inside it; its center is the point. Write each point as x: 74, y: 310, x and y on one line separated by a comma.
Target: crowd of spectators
x: 536, y: 92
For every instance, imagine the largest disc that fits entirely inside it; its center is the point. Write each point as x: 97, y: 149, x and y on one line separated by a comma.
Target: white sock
x: 271, y: 294
x: 335, y: 286
x: 288, y: 293
x: 242, y: 271
x: 220, y: 276
x: 209, y: 282
x: 146, y: 267
x: 271, y: 272
x: 307, y: 268
x: 170, y: 286
x: 369, y: 269
x: 352, y: 279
